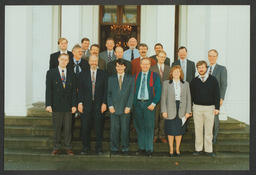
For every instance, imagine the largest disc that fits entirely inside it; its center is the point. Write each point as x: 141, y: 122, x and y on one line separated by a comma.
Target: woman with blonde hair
x: 175, y: 106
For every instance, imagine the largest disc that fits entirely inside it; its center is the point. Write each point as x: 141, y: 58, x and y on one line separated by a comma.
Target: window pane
x: 110, y: 13
x: 130, y: 14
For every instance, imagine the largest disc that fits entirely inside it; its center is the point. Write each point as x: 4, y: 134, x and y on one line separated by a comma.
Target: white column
x: 18, y: 60
x: 158, y: 25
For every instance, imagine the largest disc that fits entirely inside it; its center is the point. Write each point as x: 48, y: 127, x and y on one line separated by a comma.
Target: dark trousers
x: 90, y: 119
x: 119, y: 122
x: 216, y: 128
x: 144, y: 122
x: 62, y: 120
x: 159, y: 123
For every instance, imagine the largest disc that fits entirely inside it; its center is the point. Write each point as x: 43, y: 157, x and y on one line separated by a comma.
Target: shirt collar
x: 120, y: 74
x: 61, y: 52
x: 145, y: 73
x: 205, y: 76
x: 60, y: 69
x: 75, y: 61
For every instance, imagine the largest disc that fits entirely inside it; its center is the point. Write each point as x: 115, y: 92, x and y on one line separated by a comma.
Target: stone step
x: 47, y: 143
x: 42, y: 160
x: 48, y: 131
x: 230, y: 124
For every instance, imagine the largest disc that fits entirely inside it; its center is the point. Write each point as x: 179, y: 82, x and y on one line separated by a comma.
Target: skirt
x: 174, y: 127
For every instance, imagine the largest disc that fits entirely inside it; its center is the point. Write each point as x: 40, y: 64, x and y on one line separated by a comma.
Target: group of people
x: 158, y: 96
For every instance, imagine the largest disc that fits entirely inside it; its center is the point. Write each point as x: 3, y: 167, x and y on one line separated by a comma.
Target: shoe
x: 149, y: 154
x: 114, y: 152
x: 171, y: 155
x: 178, y: 154
x: 54, y: 152
x: 140, y: 152
x: 212, y: 154
x: 155, y: 139
x: 163, y: 140
x: 69, y: 152
x: 125, y: 153
x: 197, y: 153
x: 85, y: 152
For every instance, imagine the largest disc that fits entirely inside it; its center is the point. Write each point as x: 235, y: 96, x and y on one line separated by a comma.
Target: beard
x: 202, y: 73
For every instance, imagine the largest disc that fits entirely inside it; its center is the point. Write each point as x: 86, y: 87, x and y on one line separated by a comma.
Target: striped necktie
x: 143, y: 87
x: 63, y: 79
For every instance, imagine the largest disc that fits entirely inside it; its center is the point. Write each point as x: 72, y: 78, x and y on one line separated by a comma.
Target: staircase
x: 32, y: 136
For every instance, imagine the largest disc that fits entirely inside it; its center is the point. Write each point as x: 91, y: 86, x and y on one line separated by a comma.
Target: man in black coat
x: 158, y: 48
x: 63, y: 45
x: 60, y: 101
x: 92, y: 100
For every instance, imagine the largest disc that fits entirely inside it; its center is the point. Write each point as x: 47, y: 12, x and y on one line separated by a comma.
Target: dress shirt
x: 146, y: 84
x: 95, y: 74
x: 118, y: 76
x: 160, y: 67
x: 206, y: 75
x: 128, y: 53
x: 65, y: 51
x: 185, y: 67
x: 65, y: 71
x: 213, y: 66
x: 177, y: 89
x: 75, y: 61
x: 111, y: 53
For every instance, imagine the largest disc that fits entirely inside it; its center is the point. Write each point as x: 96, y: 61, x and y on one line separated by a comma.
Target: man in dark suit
x: 159, y: 47
x: 85, y: 43
x: 147, y: 95
x: 120, y: 101
x: 77, y: 65
x: 163, y: 71
x: 187, y: 66
x: 94, y: 50
x: 108, y: 55
x: 60, y: 101
x: 220, y: 73
x: 63, y: 45
x: 92, y: 100
x: 111, y: 66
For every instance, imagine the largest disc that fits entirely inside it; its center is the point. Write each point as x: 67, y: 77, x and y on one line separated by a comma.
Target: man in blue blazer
x: 92, y: 100
x: 147, y: 95
x: 120, y: 100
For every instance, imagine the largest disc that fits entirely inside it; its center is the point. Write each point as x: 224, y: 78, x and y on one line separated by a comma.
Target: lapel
x: 215, y: 70
x: 116, y: 82
x: 124, y: 81
x: 148, y: 80
x: 188, y: 69
x: 181, y: 88
x: 97, y: 78
x: 90, y: 80
x: 138, y: 82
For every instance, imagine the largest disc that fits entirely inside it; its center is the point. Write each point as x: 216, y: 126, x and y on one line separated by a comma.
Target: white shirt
x: 160, y: 67
x: 177, y: 89
x: 61, y: 52
x: 65, y: 71
x: 118, y: 75
x: 213, y: 66
x: 95, y: 73
x: 111, y: 53
x: 206, y: 75
x: 185, y: 67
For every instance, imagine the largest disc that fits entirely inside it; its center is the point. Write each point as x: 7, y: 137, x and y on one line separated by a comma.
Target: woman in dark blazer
x: 175, y: 104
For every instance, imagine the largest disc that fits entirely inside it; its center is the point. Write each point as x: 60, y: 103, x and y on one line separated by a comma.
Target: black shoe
x: 178, y: 154
x: 85, y: 152
x: 149, y: 154
x: 212, y: 154
x: 114, y: 152
x: 197, y: 153
x: 140, y: 152
x: 171, y: 155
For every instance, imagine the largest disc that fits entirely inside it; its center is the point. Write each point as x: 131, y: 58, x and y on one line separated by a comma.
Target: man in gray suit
x: 158, y: 48
x: 120, y: 101
x: 85, y: 43
x: 163, y: 71
x: 108, y: 55
x: 188, y: 67
x: 220, y: 73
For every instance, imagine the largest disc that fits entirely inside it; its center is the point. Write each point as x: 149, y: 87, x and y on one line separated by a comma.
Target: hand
x: 165, y: 115
x: 187, y: 115
x: 112, y: 110
x: 127, y: 110
x: 80, y: 107
x: 103, y: 108
x: 48, y: 109
x: 151, y: 107
x: 73, y: 110
x: 221, y: 102
x: 216, y: 112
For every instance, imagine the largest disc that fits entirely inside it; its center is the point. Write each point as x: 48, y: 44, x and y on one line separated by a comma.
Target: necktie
x: 202, y: 79
x: 143, y: 84
x: 161, y: 71
x: 183, y: 65
x: 120, y: 82
x: 210, y: 72
x: 63, y: 79
x: 93, y: 84
x: 77, y: 68
x: 132, y: 56
x: 109, y: 56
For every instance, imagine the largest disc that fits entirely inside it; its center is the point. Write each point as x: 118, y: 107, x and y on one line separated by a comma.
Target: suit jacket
x: 54, y: 59
x: 154, y: 92
x: 104, y: 55
x: 85, y: 90
x: 117, y: 98
x: 86, y: 55
x: 101, y: 63
x: 136, y: 65
x: 166, y: 73
x: 166, y: 62
x: 168, y: 102
x: 191, y: 69
x: 111, y: 67
x: 59, y: 98
x: 220, y: 73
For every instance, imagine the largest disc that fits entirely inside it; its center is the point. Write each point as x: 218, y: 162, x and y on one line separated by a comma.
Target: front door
x: 120, y: 23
